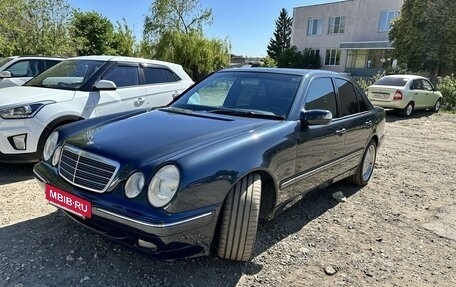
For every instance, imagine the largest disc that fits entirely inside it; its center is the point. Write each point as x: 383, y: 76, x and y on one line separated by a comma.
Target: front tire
x: 240, y: 220
x: 366, y: 167
x: 436, y: 107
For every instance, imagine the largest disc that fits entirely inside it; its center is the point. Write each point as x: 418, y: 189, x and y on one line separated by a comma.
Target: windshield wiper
x: 247, y: 113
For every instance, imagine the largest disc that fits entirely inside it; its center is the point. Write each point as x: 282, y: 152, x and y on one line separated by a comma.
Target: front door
x: 318, y: 148
x: 129, y: 94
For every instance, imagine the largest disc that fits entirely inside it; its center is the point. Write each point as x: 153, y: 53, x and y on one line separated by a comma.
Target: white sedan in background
x: 405, y: 93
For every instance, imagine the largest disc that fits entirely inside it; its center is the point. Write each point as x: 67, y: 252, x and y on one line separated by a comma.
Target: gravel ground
x: 399, y: 230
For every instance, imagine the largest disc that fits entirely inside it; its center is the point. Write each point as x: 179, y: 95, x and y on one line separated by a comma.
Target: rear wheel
x: 436, y: 107
x: 240, y: 220
x: 407, y: 111
x: 366, y: 167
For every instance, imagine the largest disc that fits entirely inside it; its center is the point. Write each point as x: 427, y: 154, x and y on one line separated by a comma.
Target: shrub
x: 447, y: 86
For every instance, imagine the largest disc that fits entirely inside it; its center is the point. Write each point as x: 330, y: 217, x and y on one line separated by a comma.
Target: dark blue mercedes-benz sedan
x: 240, y: 145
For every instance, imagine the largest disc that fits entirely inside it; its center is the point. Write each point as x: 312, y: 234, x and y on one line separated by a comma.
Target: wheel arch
x: 60, y: 121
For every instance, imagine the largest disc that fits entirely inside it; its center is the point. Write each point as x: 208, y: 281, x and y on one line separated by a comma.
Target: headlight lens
x: 163, y: 186
x: 50, y: 145
x: 56, y: 157
x: 24, y: 111
x: 134, y: 185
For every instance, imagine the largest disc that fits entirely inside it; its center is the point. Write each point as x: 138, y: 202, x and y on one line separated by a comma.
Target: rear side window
x: 154, y: 75
x: 392, y: 81
x: 321, y: 95
x: 362, y: 104
x: 347, y: 98
x: 123, y: 76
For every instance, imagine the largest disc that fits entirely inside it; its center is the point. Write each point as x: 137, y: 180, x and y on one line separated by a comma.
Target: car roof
x: 299, y: 72
x: 107, y: 58
x: 408, y: 77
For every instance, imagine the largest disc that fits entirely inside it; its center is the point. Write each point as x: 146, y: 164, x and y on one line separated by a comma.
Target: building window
x: 374, y: 59
x: 386, y: 17
x: 314, y: 27
x: 336, y: 25
x: 332, y: 57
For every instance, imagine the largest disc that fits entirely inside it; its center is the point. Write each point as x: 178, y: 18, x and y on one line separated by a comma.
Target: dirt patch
x: 399, y: 230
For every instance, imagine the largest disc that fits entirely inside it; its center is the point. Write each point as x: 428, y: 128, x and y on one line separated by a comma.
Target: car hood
x: 26, y: 95
x: 158, y: 133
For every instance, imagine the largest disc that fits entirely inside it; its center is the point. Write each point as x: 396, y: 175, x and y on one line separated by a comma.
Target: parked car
x: 15, y: 71
x: 81, y: 88
x: 405, y: 93
x: 240, y: 145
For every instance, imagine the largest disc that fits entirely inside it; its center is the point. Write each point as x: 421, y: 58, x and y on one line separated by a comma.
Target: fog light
x: 147, y: 244
x: 18, y: 141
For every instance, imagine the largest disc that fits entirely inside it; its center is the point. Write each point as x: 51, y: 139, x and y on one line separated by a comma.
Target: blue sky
x: 248, y: 24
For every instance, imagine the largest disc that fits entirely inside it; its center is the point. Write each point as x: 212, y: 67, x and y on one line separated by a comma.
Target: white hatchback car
x: 404, y: 93
x: 80, y: 88
x: 15, y: 71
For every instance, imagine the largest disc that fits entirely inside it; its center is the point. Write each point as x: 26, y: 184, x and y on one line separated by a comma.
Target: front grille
x: 87, y: 170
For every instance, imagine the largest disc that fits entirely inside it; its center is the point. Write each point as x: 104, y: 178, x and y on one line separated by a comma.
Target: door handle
x: 341, y: 131
x: 368, y: 123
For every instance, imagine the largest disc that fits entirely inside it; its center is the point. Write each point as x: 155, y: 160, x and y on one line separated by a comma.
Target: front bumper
x: 175, y: 236
x: 30, y: 127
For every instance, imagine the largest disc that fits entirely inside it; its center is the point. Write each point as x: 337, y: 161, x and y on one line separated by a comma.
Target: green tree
x: 35, y: 27
x: 173, y: 31
x: 123, y: 39
x: 424, y: 36
x: 93, y: 33
x: 181, y: 15
x: 293, y: 58
x: 282, y: 35
x: 198, y: 55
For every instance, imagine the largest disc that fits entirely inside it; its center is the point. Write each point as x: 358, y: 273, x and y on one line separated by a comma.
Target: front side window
x: 314, y: 27
x: 26, y: 68
x: 427, y: 85
x: 332, y: 57
x: 321, y: 96
x: 336, y: 25
x: 386, y: 17
x: 347, y: 98
x: 123, y: 76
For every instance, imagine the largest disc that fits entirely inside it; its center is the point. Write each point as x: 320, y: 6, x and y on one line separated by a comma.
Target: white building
x: 350, y: 36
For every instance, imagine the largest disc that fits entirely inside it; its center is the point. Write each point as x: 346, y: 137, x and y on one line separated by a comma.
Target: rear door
x: 129, y: 94
x: 357, y: 120
x: 161, y: 85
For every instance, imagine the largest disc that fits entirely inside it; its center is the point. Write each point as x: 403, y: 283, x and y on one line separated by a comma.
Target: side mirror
x: 5, y: 74
x: 316, y: 117
x: 105, y: 85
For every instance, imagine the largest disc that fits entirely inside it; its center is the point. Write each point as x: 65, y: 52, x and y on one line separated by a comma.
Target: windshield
x: 69, y: 74
x: 3, y: 61
x: 243, y: 94
x: 392, y: 81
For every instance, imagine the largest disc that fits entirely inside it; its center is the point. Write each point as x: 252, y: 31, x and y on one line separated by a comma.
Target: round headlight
x: 50, y: 145
x: 163, y: 186
x: 56, y: 157
x: 134, y: 185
